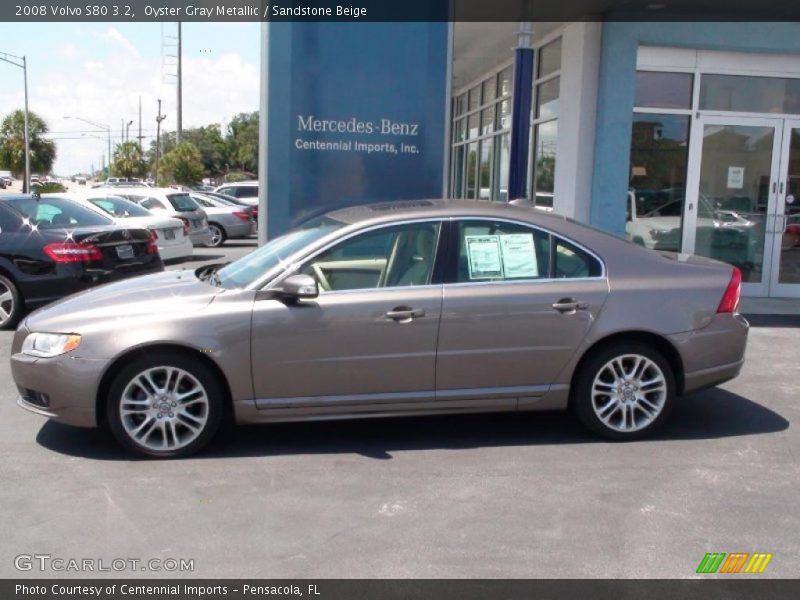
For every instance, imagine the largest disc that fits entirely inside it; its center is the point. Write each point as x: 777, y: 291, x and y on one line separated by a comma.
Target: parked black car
x: 51, y: 247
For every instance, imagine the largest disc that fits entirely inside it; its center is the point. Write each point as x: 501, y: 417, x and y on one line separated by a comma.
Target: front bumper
x: 70, y: 385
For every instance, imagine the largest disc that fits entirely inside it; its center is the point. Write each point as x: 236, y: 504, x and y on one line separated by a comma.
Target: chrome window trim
x: 266, y: 282
x: 558, y: 236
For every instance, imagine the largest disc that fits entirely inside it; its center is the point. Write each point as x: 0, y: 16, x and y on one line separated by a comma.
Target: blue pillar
x: 521, y: 124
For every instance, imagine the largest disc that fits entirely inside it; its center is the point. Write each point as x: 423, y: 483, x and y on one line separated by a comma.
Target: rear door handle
x: 568, y: 305
x: 404, y: 314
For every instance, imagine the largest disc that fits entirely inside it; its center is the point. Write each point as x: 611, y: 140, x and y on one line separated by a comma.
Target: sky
x: 97, y: 71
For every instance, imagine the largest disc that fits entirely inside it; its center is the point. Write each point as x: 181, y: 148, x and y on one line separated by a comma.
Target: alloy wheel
x: 629, y: 392
x: 7, y: 303
x: 164, y: 408
x: 217, y: 237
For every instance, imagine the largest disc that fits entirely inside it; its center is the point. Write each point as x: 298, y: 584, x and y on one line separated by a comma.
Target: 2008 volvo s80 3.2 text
x: 390, y: 309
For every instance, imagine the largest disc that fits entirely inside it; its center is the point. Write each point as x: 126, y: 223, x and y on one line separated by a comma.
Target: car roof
x: 237, y: 184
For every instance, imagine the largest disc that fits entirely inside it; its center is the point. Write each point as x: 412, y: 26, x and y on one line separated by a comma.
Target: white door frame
x: 777, y: 225
x: 696, y: 140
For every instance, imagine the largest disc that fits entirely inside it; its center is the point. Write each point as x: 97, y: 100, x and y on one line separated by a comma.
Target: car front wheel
x: 624, y: 391
x: 165, y: 406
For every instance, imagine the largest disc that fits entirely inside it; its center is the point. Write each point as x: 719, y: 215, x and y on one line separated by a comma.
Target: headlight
x: 47, y: 345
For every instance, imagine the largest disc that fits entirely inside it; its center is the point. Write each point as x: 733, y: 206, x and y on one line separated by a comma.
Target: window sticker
x: 519, y: 255
x: 483, y: 252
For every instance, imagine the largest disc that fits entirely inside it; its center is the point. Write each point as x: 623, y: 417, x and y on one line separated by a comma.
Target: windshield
x: 249, y: 268
x: 57, y: 213
x: 182, y: 202
x: 119, y: 207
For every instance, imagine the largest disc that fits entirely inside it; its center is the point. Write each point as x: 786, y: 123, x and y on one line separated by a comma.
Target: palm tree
x: 128, y: 161
x: 12, y: 143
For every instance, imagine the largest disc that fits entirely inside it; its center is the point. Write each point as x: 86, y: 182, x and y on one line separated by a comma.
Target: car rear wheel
x: 10, y: 303
x: 624, y: 391
x: 218, y: 236
x: 165, y: 406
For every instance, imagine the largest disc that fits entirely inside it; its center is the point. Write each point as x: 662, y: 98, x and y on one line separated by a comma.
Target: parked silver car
x: 423, y: 307
x: 171, y: 203
x: 226, y: 220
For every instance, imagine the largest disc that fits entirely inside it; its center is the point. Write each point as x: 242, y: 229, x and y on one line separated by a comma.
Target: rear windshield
x: 182, y: 202
x: 120, y: 207
x: 57, y: 213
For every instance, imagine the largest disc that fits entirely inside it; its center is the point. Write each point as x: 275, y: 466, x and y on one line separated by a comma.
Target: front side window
x: 396, y: 256
x: 499, y: 251
x: 119, y: 207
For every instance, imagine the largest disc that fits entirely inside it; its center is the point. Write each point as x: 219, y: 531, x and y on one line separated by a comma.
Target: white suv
x: 241, y: 190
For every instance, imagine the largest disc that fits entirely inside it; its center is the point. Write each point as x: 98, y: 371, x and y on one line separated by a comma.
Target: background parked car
x: 171, y: 203
x: 225, y: 220
x: 240, y: 189
x: 251, y: 203
x: 53, y: 247
x: 172, y: 234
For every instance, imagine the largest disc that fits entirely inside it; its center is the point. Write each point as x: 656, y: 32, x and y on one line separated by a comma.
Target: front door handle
x: 404, y: 314
x: 569, y: 305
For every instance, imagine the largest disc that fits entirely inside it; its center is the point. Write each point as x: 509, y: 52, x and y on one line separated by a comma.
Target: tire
x: 624, y: 391
x: 218, y: 235
x: 10, y: 303
x: 153, y: 423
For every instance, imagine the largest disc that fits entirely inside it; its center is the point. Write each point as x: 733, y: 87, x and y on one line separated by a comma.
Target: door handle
x: 568, y: 305
x: 404, y: 314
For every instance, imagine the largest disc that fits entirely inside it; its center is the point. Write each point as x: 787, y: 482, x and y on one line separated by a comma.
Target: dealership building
x: 682, y: 136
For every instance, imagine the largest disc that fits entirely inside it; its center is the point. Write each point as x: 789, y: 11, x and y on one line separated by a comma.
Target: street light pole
x: 12, y: 59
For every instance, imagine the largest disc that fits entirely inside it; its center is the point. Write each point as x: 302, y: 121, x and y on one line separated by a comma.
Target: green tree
x: 12, y: 144
x: 183, y: 164
x: 242, y: 141
x: 128, y: 161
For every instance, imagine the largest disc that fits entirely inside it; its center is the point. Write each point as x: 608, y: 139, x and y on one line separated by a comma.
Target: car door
x: 517, y: 303
x: 368, y: 341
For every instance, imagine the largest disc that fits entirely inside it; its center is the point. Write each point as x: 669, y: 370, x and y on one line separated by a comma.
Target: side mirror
x: 298, y: 287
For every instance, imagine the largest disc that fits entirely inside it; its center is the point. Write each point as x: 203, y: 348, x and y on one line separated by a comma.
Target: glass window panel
x: 789, y: 263
x: 489, y: 89
x: 750, y: 94
x: 663, y: 90
x: 549, y: 58
x: 657, y: 184
x: 472, y: 169
x: 735, y: 172
x: 504, y: 114
x: 505, y: 81
x: 502, y: 158
x: 472, y: 126
x: 461, y: 104
x: 487, y: 120
x: 544, y: 166
x: 547, y: 99
x: 474, y: 98
x: 460, y: 130
x: 485, y: 179
x: 457, y: 190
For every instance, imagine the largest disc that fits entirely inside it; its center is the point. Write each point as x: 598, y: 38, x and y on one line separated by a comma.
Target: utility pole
x: 159, y: 118
x: 23, y: 64
x: 180, y: 87
x: 139, y: 137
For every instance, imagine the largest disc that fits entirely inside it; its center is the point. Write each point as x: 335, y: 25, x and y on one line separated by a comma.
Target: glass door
x: 785, y: 223
x: 733, y: 189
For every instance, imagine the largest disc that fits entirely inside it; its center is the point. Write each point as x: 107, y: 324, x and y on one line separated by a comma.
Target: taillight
x: 242, y: 215
x: 152, y: 243
x: 730, y: 299
x: 185, y: 225
x: 70, y: 252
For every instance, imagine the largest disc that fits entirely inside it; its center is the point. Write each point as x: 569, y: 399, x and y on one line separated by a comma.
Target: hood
x: 158, y: 294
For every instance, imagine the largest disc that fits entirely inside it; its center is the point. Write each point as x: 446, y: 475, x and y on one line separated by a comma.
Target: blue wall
x: 362, y: 76
x: 616, y: 91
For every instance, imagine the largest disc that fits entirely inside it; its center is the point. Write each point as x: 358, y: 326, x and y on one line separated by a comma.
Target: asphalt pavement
x: 514, y: 495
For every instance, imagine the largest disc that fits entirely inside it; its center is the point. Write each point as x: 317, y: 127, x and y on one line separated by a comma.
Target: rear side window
x: 245, y: 191
x: 9, y: 222
x: 149, y: 203
x: 498, y: 251
x: 572, y: 262
x: 182, y: 202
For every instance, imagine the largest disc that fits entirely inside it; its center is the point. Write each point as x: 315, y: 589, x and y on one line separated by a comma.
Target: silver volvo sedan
x: 402, y: 308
